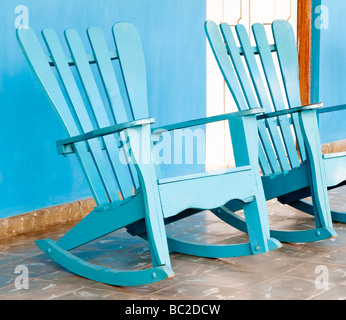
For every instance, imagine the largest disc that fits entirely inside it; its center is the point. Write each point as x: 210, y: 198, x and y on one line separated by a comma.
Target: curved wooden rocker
x: 115, y: 155
x: 287, y: 173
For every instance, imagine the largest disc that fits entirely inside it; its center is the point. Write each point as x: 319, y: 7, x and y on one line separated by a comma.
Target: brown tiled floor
x: 288, y: 273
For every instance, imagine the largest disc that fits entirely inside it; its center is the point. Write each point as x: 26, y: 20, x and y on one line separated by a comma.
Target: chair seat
x: 199, y: 175
x: 208, y: 188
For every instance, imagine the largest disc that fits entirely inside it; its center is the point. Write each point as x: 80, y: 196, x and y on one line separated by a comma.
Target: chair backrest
x: 252, y: 77
x: 91, y: 90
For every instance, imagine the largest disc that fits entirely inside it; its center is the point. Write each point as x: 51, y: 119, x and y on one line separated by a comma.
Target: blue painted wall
x: 328, y: 65
x: 32, y: 175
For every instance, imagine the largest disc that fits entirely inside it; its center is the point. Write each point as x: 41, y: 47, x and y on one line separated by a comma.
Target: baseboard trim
x: 43, y: 218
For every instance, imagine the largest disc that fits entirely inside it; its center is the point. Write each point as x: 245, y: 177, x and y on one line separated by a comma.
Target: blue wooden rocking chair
x: 130, y: 192
x: 287, y: 173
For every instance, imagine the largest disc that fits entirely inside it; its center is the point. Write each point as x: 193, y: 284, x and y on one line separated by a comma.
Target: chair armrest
x: 331, y: 109
x: 65, y: 145
x: 197, y: 122
x: 289, y: 111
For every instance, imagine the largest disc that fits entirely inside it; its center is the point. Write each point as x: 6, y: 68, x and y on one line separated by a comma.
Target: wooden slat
x: 110, y: 83
x: 132, y: 63
x: 268, y: 66
x: 253, y: 67
x: 108, y: 77
x: 37, y: 60
x: 120, y: 171
x: 263, y: 161
x: 268, y: 147
x: 249, y: 94
x: 288, y: 60
x: 275, y: 92
x: 72, y: 90
x: 218, y: 47
x: 238, y: 66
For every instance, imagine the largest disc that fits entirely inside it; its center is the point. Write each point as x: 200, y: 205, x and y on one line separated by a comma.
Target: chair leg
x: 140, y: 152
x: 156, y: 234
x: 317, y: 177
x: 258, y: 226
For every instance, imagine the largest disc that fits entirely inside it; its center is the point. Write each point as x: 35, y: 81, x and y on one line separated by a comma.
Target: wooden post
x: 304, y: 22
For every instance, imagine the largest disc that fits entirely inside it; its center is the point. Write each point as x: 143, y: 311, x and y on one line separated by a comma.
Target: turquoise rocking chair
x: 288, y: 173
x: 129, y: 192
